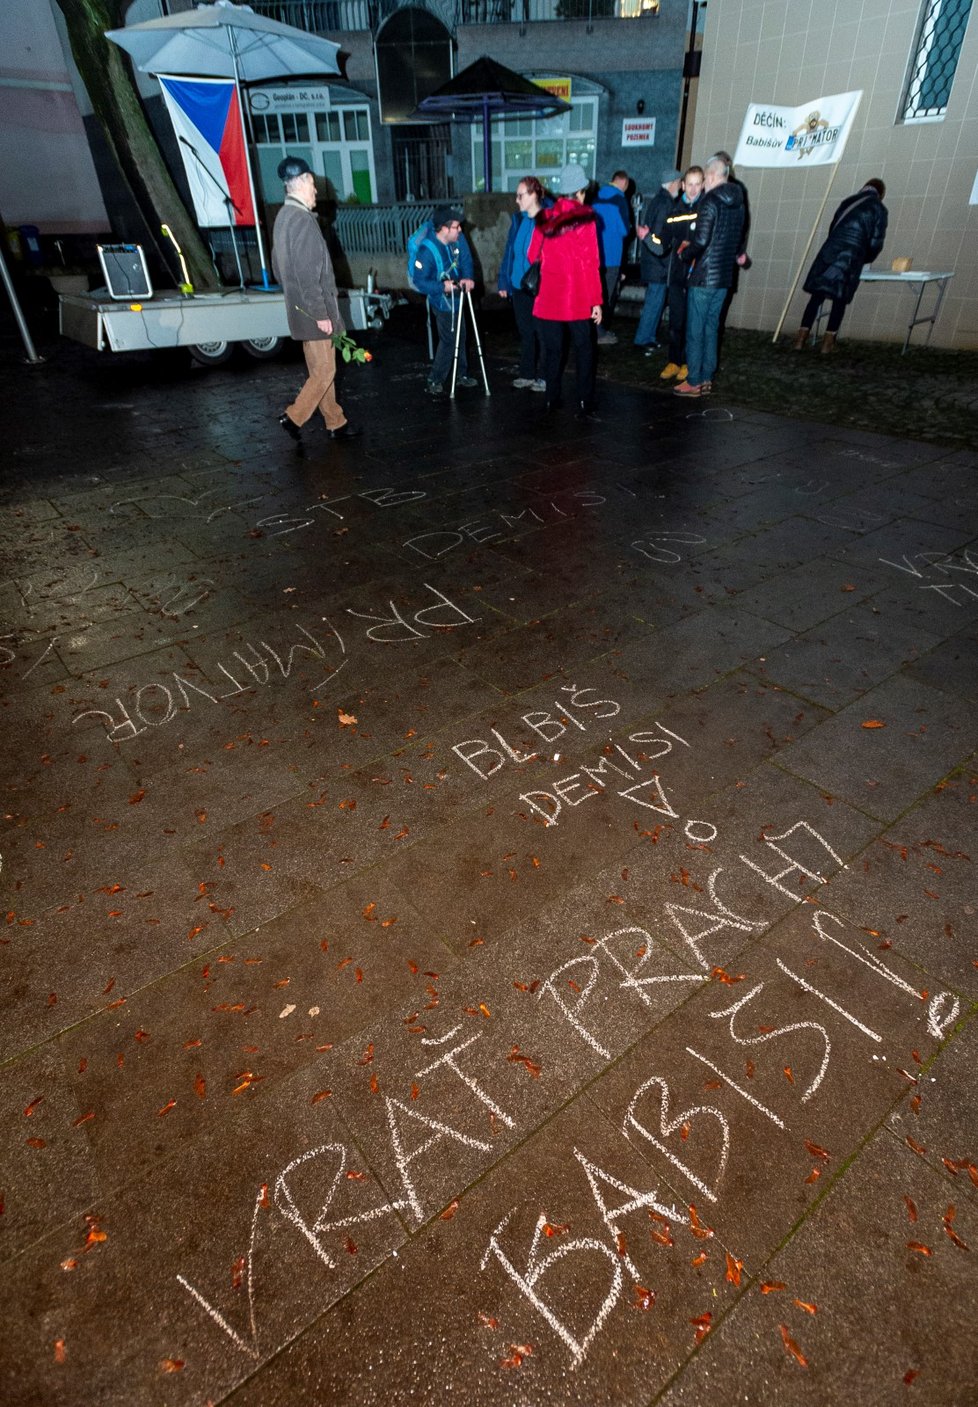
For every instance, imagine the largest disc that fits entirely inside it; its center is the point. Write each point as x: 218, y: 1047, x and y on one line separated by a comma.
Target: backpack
x: 424, y: 234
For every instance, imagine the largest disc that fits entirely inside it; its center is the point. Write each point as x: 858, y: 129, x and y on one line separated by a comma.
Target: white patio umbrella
x: 227, y: 41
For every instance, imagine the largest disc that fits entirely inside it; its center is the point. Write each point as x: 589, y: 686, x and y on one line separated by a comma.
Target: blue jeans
x: 703, y: 309
x: 648, y: 322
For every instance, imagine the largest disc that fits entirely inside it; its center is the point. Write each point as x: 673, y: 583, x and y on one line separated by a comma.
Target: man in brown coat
x: 301, y: 263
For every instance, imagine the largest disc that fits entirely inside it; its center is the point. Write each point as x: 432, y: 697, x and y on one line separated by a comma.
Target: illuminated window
x: 540, y: 146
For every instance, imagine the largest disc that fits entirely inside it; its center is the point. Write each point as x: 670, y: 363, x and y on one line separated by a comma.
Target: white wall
x: 47, y: 177
x: 790, y: 51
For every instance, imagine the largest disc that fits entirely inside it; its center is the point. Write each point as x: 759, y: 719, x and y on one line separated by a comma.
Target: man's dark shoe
x: 293, y: 430
x: 346, y: 432
x: 466, y: 381
x: 584, y: 411
x: 434, y: 388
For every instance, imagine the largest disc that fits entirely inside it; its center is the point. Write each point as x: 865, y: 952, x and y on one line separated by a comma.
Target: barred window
x: 935, y: 58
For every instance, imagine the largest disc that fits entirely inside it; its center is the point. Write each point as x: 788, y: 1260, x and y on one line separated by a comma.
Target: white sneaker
x: 523, y: 383
x: 538, y: 385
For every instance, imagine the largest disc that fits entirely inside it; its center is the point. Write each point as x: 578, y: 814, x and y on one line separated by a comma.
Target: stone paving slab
x: 461, y: 937
x: 835, y: 662
x: 853, y: 1320
x: 883, y: 768
x: 915, y: 884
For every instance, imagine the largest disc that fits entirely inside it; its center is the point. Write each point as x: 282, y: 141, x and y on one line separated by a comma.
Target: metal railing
x: 329, y: 16
x: 380, y: 229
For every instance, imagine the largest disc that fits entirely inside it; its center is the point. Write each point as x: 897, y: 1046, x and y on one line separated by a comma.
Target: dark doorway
x: 422, y: 157
x: 414, y: 57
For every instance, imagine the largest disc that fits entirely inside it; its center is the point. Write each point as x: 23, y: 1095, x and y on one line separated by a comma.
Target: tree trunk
x: 116, y: 103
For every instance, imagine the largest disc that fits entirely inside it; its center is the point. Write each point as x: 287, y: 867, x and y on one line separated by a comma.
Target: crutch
x: 466, y: 294
x: 458, y: 335
x: 478, y: 343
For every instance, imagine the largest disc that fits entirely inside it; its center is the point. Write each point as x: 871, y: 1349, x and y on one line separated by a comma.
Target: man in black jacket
x: 680, y: 224
x: 711, y: 256
x: 654, y: 246
x: 855, y: 238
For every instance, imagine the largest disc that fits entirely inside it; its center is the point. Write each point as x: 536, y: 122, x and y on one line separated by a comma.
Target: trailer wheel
x: 263, y: 349
x: 211, y: 353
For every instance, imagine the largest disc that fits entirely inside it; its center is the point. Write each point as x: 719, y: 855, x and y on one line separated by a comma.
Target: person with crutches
x: 443, y: 272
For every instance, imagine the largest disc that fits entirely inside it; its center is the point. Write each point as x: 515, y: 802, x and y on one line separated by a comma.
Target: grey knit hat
x: 572, y: 179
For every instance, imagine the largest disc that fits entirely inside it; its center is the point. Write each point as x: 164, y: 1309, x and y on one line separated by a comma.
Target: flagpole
x: 804, y: 257
x: 251, y: 182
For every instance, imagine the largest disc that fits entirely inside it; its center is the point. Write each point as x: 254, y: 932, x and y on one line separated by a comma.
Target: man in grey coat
x: 301, y: 263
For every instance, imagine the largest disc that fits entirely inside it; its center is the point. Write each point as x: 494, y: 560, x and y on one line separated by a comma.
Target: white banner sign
x: 812, y: 134
x: 638, y: 132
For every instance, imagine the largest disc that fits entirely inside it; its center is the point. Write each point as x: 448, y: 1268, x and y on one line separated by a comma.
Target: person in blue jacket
x: 443, y: 271
x: 530, y: 200
x: 614, y: 223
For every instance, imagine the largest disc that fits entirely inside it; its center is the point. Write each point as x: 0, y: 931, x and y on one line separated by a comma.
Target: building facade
x: 916, y: 62
x: 620, y: 69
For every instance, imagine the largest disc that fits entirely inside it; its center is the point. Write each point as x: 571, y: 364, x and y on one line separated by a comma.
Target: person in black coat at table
x: 856, y: 237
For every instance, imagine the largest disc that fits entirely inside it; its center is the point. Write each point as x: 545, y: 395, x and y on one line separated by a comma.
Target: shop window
x: 545, y: 146
x: 266, y: 127
x: 328, y: 126
x: 295, y: 127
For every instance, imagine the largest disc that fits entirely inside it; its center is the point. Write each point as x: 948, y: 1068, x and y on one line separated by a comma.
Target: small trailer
x: 209, y: 325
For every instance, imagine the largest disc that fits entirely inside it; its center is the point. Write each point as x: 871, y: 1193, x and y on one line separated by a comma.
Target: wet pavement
x: 491, y: 906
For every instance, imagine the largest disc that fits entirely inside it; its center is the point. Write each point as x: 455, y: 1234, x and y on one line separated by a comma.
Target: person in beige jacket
x: 301, y: 264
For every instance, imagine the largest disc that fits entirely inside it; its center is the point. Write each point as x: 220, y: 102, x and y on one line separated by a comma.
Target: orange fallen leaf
x: 807, y: 1307
x: 719, y: 975
x: 59, y: 1350
x: 644, y: 1299
x: 171, y: 1365
x: 791, y: 1347
x: 449, y: 1211
x: 920, y: 1248
x: 770, y: 1287
x: 516, y: 1057
x: 698, y: 1228
x: 873, y: 723
x: 95, y: 1235
x: 551, y: 1228
x: 346, y: 719
x: 137, y: 797
x: 734, y: 1267
x: 166, y: 1108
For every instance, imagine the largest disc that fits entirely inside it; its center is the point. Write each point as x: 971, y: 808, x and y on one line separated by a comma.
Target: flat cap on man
x: 292, y: 166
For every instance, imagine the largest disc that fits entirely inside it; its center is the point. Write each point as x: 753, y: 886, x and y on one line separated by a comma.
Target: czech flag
x: 206, y: 117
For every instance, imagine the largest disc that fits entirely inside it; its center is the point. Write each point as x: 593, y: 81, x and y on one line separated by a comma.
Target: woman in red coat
x: 566, y: 244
